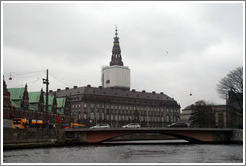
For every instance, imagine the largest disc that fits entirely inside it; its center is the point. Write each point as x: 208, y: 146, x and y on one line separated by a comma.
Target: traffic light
x: 13, y: 107
x: 58, y: 119
x: 12, y: 116
x: 62, y: 118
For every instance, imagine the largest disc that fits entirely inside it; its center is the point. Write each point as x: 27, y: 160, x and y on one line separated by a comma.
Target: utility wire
x: 16, y: 73
x: 59, y: 79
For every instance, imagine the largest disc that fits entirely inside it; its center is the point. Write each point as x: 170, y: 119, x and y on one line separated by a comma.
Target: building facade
x: 117, y: 107
x: 229, y: 115
x: 19, y: 103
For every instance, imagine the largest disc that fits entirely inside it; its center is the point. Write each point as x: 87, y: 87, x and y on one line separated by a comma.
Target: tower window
x: 107, y: 81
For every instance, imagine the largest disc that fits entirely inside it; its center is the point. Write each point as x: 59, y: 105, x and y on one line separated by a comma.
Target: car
x: 132, y: 125
x: 98, y: 126
x: 178, y: 124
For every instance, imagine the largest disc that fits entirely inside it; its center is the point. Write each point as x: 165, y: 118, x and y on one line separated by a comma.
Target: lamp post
x: 46, y: 81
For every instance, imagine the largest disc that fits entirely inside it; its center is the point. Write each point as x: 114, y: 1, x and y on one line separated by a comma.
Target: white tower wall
x: 116, y: 76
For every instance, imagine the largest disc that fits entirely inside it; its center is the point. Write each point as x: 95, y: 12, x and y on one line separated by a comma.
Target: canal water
x: 130, y: 152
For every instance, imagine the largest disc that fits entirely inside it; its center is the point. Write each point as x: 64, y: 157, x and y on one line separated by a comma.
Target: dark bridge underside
x: 193, y: 135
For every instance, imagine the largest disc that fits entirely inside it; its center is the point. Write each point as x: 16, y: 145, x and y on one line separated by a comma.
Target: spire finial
x: 116, y: 52
x: 116, y: 30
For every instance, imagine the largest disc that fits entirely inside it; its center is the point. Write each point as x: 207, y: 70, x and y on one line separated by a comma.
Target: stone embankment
x: 237, y: 136
x: 32, y: 137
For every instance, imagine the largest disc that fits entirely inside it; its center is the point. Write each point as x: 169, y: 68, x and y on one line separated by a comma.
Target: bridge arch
x: 191, y: 135
x: 189, y: 139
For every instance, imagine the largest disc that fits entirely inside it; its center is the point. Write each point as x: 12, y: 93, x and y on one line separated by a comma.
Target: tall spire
x: 116, y: 52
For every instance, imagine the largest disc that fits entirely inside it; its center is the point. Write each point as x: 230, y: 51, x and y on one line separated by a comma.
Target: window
x: 85, y: 105
x: 97, y: 115
x: 102, y: 115
x: 220, y: 120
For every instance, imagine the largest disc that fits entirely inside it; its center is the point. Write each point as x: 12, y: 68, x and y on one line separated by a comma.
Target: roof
x: 16, y: 103
x: 112, y: 92
x: 33, y: 106
x: 106, y: 94
x: 50, y: 99
x: 34, y: 97
x: 189, y: 107
x: 16, y: 93
x: 61, y: 102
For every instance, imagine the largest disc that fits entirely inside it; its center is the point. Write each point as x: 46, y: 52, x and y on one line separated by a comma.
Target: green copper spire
x: 116, y: 52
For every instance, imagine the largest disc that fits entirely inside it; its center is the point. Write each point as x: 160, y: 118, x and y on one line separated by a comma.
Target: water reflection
x: 136, y: 142
x: 130, y: 152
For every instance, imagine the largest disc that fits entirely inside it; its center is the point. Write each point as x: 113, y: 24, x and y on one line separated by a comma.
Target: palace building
x: 115, y: 103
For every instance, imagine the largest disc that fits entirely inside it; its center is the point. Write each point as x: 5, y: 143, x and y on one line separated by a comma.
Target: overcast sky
x: 170, y: 47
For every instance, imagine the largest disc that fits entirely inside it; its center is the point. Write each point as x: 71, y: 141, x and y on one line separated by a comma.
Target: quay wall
x: 237, y: 136
x: 32, y: 137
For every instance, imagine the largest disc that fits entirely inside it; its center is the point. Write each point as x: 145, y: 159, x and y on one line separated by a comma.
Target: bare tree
x: 202, y: 115
x: 233, y: 81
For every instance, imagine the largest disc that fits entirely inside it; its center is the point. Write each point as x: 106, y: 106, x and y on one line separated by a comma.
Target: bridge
x: 193, y: 135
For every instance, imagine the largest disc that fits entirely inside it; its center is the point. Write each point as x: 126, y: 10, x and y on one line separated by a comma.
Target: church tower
x: 116, y: 75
